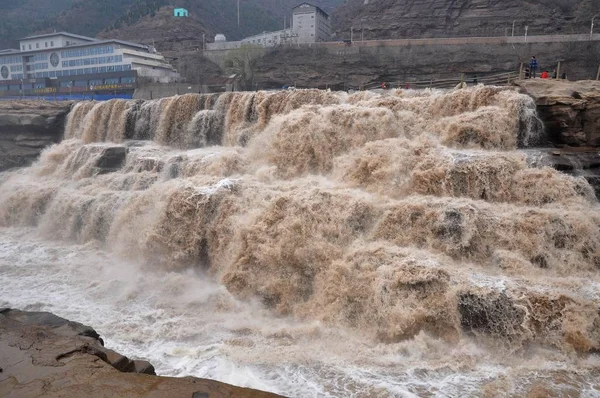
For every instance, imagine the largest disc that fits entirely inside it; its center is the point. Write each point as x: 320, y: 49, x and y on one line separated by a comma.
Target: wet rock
x: 540, y: 261
x: 55, y: 323
x: 493, y: 313
x: 45, y: 355
x: 111, y: 160
x: 118, y: 361
x: 578, y: 162
x: 27, y: 127
x: 451, y: 227
x: 143, y: 367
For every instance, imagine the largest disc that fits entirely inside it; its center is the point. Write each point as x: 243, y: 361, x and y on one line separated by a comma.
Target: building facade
x: 311, y: 24
x: 51, y: 62
x: 272, y: 39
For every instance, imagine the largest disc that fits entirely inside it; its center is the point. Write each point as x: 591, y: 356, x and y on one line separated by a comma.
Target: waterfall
x: 387, y: 214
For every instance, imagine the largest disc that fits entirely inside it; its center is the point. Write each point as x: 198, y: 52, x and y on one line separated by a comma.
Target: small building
x: 180, y: 12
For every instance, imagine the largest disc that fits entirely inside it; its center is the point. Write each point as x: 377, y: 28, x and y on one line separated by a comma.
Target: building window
x: 30, y: 46
x: 37, y: 45
x: 23, y: 47
x: 51, y: 43
x: 46, y: 44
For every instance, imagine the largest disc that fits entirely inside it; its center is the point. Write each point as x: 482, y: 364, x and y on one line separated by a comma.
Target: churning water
x: 316, y: 244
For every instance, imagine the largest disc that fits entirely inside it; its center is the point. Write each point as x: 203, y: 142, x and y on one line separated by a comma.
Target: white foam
x: 185, y: 324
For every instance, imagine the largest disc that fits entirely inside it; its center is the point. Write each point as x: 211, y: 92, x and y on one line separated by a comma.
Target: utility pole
x: 238, y: 12
x: 362, y: 29
x: 352, y: 34
x: 592, y: 28
x: 513, y: 28
x: 203, y: 41
x: 526, y: 31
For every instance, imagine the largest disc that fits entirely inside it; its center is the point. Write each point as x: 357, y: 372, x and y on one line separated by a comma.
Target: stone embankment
x: 27, y: 127
x: 42, y: 354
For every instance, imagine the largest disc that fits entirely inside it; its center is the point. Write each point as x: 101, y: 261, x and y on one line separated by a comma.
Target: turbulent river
x: 316, y: 244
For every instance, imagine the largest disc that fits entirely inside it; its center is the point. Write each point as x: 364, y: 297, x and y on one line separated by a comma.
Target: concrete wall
x: 159, y: 90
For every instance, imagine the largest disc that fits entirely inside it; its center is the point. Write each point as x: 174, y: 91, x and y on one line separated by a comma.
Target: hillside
x: 19, y: 17
x: 387, y: 19
x: 144, y: 20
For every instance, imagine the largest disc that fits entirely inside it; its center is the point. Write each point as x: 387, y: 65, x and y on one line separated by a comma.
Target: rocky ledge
x: 571, y: 115
x: 570, y: 110
x: 27, y: 127
x: 42, y: 354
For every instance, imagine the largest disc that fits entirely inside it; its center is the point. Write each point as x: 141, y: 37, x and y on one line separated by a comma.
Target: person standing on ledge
x: 533, y: 65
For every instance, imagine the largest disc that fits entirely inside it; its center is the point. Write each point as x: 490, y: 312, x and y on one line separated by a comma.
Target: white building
x: 310, y: 24
x: 57, y: 55
x: 272, y: 39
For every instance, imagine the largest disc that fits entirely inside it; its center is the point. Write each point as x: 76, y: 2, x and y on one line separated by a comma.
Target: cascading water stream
x: 385, y: 245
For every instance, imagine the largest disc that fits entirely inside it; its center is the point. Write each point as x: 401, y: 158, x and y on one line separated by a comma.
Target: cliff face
x: 354, y: 66
x: 570, y: 110
x: 44, y: 355
x: 387, y: 19
x: 27, y: 127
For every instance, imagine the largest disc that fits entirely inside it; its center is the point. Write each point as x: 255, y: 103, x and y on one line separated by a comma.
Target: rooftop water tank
x: 220, y: 38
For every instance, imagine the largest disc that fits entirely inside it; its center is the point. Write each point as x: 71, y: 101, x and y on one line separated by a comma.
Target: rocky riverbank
x: 570, y: 110
x: 571, y: 115
x: 42, y: 354
x: 27, y: 127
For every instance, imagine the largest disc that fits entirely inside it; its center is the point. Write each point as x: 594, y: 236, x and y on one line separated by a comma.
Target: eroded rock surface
x: 42, y: 354
x: 570, y: 110
x: 27, y: 127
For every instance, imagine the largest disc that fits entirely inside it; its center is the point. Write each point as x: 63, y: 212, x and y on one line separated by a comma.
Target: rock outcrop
x: 571, y: 115
x: 27, y: 127
x: 42, y: 354
x: 570, y: 110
